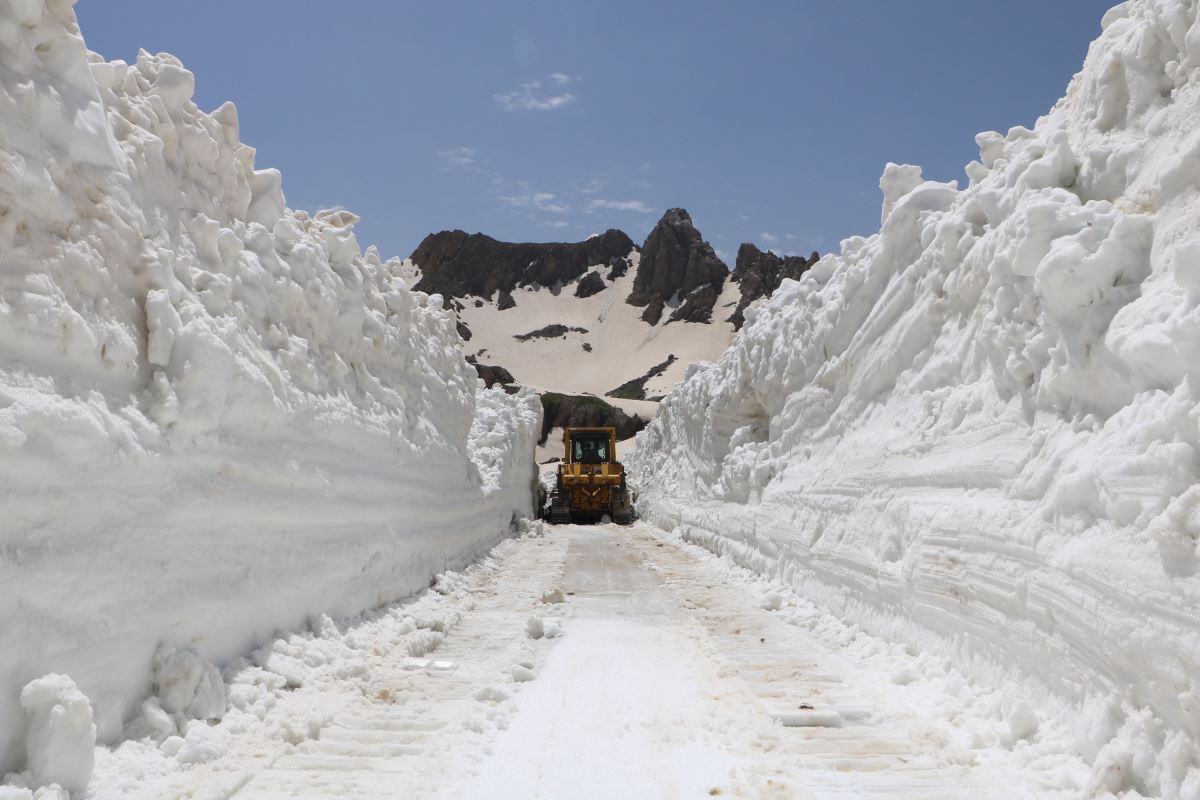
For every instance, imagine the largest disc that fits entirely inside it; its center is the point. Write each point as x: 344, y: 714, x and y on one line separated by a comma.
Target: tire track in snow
x: 680, y: 675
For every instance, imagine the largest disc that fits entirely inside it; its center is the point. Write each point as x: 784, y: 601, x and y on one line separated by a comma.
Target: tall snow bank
x: 978, y: 428
x: 217, y: 416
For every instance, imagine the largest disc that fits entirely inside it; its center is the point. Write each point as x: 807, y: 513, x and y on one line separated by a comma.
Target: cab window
x: 589, y: 449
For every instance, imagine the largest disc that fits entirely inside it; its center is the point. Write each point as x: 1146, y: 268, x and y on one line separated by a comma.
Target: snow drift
x: 978, y: 428
x: 217, y: 416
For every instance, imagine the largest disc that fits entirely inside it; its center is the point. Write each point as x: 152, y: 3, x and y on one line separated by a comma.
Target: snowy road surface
x: 676, y: 674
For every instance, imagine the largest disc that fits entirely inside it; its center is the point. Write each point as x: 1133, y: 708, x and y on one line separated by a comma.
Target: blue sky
x: 536, y: 121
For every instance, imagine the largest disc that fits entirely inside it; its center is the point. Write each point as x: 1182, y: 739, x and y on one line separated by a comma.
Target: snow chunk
x: 897, y: 180
x: 1187, y: 266
x: 153, y: 723
x: 201, y: 743
x: 163, y: 324
x: 171, y: 745
x: 267, y: 203
x: 61, y: 739
x: 186, y: 683
x: 544, y: 627
x: 809, y: 718
x: 175, y: 85
x: 492, y: 694
x: 1022, y: 722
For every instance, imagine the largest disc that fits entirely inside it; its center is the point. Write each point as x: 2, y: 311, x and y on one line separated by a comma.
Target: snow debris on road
x: 976, y: 431
x: 676, y: 682
x: 218, y: 417
x: 386, y: 703
x: 673, y: 680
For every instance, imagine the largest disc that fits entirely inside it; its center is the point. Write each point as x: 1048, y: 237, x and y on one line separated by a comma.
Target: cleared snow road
x: 677, y: 675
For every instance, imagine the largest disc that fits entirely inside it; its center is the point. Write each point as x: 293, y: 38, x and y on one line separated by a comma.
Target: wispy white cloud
x: 539, y: 201
x: 769, y: 238
x: 534, y: 96
x: 619, y: 205
x: 460, y: 158
x: 593, y: 185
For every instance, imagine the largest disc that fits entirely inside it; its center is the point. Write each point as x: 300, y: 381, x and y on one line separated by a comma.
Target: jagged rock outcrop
x: 493, y: 374
x: 568, y: 410
x: 759, y: 274
x: 591, y: 284
x: 457, y: 264
x: 550, y: 332
x: 617, y: 267
x: 636, y: 388
x: 675, y: 262
x: 698, y: 305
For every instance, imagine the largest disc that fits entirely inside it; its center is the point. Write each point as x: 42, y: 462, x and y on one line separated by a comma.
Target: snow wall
x: 217, y: 417
x: 977, y: 430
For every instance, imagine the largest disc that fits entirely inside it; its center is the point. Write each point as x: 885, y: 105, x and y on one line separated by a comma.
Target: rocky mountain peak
x: 677, y: 264
x: 759, y: 274
x: 458, y: 264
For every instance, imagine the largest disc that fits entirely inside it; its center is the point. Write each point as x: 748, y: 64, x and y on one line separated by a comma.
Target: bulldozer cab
x: 590, y: 445
x: 590, y: 484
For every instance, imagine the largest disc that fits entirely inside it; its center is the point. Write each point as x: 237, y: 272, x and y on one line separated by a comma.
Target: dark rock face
x: 505, y: 301
x: 493, y: 374
x: 457, y: 264
x: 591, y: 284
x: 463, y: 330
x: 636, y: 388
x: 676, y: 261
x: 567, y: 410
x: 759, y: 274
x: 653, y: 312
x: 617, y: 267
x: 697, y: 306
x: 552, y: 331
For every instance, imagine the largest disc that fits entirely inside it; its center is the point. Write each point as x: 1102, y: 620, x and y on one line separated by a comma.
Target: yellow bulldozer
x: 591, y: 482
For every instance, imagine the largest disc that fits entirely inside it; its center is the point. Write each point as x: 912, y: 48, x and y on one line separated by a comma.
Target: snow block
x: 61, y: 737
x: 187, y: 684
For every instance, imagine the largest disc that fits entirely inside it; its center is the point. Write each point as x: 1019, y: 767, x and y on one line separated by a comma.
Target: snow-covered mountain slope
x: 217, y: 416
x: 620, y: 346
x: 602, y: 316
x: 978, y: 428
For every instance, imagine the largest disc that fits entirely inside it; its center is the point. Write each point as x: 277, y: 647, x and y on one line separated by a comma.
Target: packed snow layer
x: 978, y: 428
x: 217, y: 416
